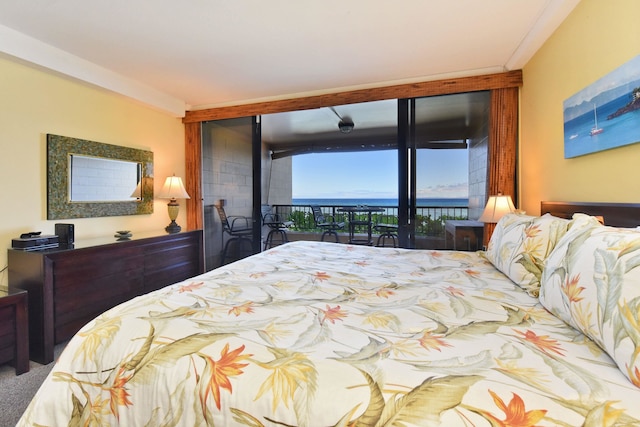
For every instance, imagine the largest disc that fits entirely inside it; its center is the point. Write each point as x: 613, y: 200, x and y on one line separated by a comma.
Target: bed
x: 326, y: 334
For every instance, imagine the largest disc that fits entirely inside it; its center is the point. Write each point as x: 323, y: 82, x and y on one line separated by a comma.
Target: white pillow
x: 520, y: 244
x: 591, y: 281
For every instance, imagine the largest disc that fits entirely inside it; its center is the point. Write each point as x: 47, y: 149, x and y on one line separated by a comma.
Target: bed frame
x: 614, y: 214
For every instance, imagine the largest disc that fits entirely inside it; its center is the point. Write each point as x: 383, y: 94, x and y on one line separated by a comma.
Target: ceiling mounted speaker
x: 345, y: 126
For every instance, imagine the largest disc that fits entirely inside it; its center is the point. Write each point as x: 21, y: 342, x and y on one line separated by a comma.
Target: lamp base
x: 173, y: 207
x: 173, y: 228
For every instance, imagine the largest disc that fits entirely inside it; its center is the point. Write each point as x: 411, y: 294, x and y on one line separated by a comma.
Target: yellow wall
x: 34, y: 103
x: 596, y: 38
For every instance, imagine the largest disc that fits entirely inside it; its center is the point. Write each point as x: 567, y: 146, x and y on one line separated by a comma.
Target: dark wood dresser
x: 14, y: 343
x: 69, y: 287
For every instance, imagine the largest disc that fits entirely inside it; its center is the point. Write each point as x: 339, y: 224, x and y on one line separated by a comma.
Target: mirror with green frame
x: 87, y: 179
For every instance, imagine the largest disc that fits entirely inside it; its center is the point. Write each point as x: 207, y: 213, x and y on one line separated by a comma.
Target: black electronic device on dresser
x: 34, y: 241
x: 69, y: 287
x: 66, y: 235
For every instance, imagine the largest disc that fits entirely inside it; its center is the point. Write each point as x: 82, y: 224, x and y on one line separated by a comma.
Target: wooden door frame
x: 502, y: 127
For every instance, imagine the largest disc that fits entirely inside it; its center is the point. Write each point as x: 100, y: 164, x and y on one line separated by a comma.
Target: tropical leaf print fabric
x: 324, y: 334
x: 520, y: 244
x: 592, y: 282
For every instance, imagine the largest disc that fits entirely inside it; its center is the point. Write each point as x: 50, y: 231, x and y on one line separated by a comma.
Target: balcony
x: 430, y: 222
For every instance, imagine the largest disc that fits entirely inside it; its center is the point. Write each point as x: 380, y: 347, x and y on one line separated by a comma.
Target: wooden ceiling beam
x: 410, y: 90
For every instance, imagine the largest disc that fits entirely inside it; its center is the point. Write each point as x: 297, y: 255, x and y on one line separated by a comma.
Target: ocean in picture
x: 605, y: 114
x: 614, y: 132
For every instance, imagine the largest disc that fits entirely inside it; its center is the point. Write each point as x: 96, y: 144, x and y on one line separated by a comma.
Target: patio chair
x: 239, y: 229
x: 277, y: 227
x: 326, y: 222
x: 387, y: 231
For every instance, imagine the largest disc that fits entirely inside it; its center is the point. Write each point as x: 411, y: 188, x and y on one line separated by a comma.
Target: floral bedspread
x: 325, y: 334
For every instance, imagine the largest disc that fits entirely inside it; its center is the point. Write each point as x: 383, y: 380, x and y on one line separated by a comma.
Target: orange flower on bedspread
x: 190, y: 287
x: 430, y: 341
x: 333, y: 314
x: 473, y: 273
x: 572, y: 290
x: 321, y: 276
x: 216, y: 373
x: 363, y: 263
x: 118, y: 392
x: 454, y: 291
x: 244, y: 308
x: 543, y: 342
x: 515, y: 414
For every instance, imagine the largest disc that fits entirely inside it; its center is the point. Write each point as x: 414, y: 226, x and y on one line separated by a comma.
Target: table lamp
x: 173, y: 189
x: 137, y: 192
x: 497, y: 207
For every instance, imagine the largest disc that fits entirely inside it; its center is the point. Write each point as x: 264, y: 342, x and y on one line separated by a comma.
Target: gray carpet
x: 16, y: 391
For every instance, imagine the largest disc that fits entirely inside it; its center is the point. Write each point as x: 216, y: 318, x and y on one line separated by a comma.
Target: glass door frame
x: 256, y: 160
x: 406, y: 178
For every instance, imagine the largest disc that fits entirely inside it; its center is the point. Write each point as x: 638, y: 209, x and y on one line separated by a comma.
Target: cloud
x: 444, y: 191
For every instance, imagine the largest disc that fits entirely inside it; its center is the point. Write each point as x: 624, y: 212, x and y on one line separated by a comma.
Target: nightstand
x: 465, y: 235
x: 14, y: 329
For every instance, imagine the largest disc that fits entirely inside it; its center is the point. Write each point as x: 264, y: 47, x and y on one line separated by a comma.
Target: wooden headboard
x: 614, y: 214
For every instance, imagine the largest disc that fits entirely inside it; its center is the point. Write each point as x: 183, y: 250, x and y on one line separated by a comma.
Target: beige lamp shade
x: 173, y: 189
x: 497, y: 207
x: 137, y: 192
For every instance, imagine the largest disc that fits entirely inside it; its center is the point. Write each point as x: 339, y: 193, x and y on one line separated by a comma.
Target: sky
x: 374, y: 174
x: 622, y: 75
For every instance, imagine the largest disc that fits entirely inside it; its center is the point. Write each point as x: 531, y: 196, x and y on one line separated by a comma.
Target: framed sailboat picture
x: 605, y: 114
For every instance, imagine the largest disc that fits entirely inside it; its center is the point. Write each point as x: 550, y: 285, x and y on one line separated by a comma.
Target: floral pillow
x: 592, y: 282
x: 520, y: 244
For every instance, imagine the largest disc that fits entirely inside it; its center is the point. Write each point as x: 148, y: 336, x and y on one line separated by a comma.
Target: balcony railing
x: 429, y: 219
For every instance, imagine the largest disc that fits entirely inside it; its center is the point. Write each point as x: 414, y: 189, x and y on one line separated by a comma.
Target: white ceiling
x: 193, y: 54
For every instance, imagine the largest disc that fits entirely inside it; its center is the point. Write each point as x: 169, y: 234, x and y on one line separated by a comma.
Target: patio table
x: 353, y: 223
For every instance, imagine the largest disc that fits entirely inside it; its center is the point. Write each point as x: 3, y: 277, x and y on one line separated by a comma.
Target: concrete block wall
x: 277, y: 185
x: 478, y: 163
x: 227, y: 169
x: 227, y: 174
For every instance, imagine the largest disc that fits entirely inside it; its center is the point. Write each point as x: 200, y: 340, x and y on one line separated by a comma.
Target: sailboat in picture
x: 595, y: 130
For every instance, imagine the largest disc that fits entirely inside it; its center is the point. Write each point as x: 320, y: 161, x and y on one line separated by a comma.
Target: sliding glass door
x: 229, y: 175
x: 442, y: 163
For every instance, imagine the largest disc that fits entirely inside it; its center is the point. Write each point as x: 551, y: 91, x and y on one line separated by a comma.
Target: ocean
x: 424, y: 202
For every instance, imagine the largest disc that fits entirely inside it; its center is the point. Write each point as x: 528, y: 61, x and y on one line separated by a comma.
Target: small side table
x: 14, y: 329
x: 465, y: 235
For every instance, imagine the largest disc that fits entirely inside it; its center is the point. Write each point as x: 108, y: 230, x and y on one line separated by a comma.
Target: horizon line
x: 391, y: 198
